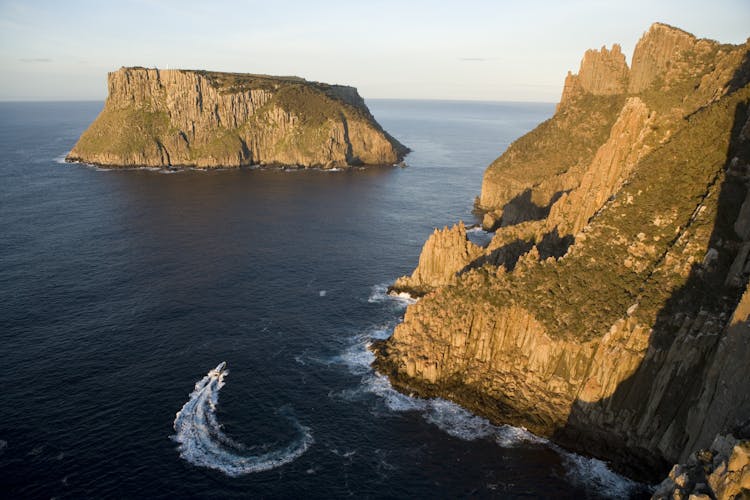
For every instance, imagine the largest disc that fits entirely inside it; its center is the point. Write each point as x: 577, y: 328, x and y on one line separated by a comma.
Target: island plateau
x: 184, y: 118
x: 610, y: 310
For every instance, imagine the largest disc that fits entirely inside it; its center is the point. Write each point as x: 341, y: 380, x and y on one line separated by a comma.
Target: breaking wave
x: 479, y: 236
x: 446, y: 415
x: 380, y: 294
x: 589, y: 473
x: 596, y: 475
x: 203, y: 443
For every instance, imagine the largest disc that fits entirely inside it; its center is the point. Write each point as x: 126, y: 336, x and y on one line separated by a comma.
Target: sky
x: 469, y: 50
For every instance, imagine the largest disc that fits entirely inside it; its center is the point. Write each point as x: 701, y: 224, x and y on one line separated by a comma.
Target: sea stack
x: 203, y: 119
x: 611, y: 311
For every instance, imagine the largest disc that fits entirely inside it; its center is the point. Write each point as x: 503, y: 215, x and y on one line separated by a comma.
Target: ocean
x: 121, y: 290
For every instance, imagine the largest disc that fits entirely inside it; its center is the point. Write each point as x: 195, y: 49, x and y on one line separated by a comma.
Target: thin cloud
x: 474, y: 59
x: 35, y: 60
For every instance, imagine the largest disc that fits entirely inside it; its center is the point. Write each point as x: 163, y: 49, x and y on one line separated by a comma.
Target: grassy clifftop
x: 672, y: 199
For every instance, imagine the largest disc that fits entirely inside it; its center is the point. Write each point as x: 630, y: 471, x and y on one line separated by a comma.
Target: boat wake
x: 203, y: 443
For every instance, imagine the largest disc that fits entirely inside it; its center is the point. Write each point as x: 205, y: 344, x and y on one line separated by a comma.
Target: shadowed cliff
x: 602, y: 323
x: 690, y: 385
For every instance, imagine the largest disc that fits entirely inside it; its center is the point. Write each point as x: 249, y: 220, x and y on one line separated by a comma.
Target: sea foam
x: 203, y: 443
x: 446, y: 415
x: 589, y: 473
x: 380, y: 294
x: 596, y: 475
x: 479, y: 236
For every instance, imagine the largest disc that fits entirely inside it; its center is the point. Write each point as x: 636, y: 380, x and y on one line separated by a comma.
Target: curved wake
x: 203, y: 443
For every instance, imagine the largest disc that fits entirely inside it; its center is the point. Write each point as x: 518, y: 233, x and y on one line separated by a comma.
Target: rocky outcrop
x: 654, y: 53
x: 445, y: 253
x: 602, y: 72
x: 547, y: 161
x: 167, y: 118
x: 673, y: 74
x: 615, y: 323
x: 720, y: 472
x: 724, y: 401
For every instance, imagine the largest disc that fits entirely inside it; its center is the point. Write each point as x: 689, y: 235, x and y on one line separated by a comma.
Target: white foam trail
x: 60, y: 158
x: 202, y: 442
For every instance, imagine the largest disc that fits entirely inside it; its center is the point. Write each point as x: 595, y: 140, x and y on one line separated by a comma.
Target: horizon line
x: 476, y: 100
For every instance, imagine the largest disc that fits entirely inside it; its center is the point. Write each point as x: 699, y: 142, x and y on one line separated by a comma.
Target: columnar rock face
x: 602, y: 72
x: 673, y: 74
x: 609, y: 168
x: 654, y: 53
x: 164, y: 118
x: 445, y: 253
x: 610, y: 311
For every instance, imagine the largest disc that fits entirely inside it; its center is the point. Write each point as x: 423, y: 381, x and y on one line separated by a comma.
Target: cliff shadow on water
x: 685, y: 389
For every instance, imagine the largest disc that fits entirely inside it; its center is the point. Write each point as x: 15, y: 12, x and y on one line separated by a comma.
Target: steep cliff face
x: 611, y: 165
x: 612, y: 322
x: 602, y: 72
x: 655, y: 52
x: 445, y: 253
x: 535, y: 169
x: 673, y: 74
x: 163, y: 118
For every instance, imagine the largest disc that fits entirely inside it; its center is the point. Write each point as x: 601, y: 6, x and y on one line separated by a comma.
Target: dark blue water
x: 119, y: 290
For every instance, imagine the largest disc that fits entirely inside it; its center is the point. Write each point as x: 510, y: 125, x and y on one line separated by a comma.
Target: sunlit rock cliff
x: 445, y: 253
x: 610, y: 310
x: 164, y: 118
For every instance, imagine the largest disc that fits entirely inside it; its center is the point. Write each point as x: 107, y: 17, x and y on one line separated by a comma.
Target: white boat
x: 220, y: 369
